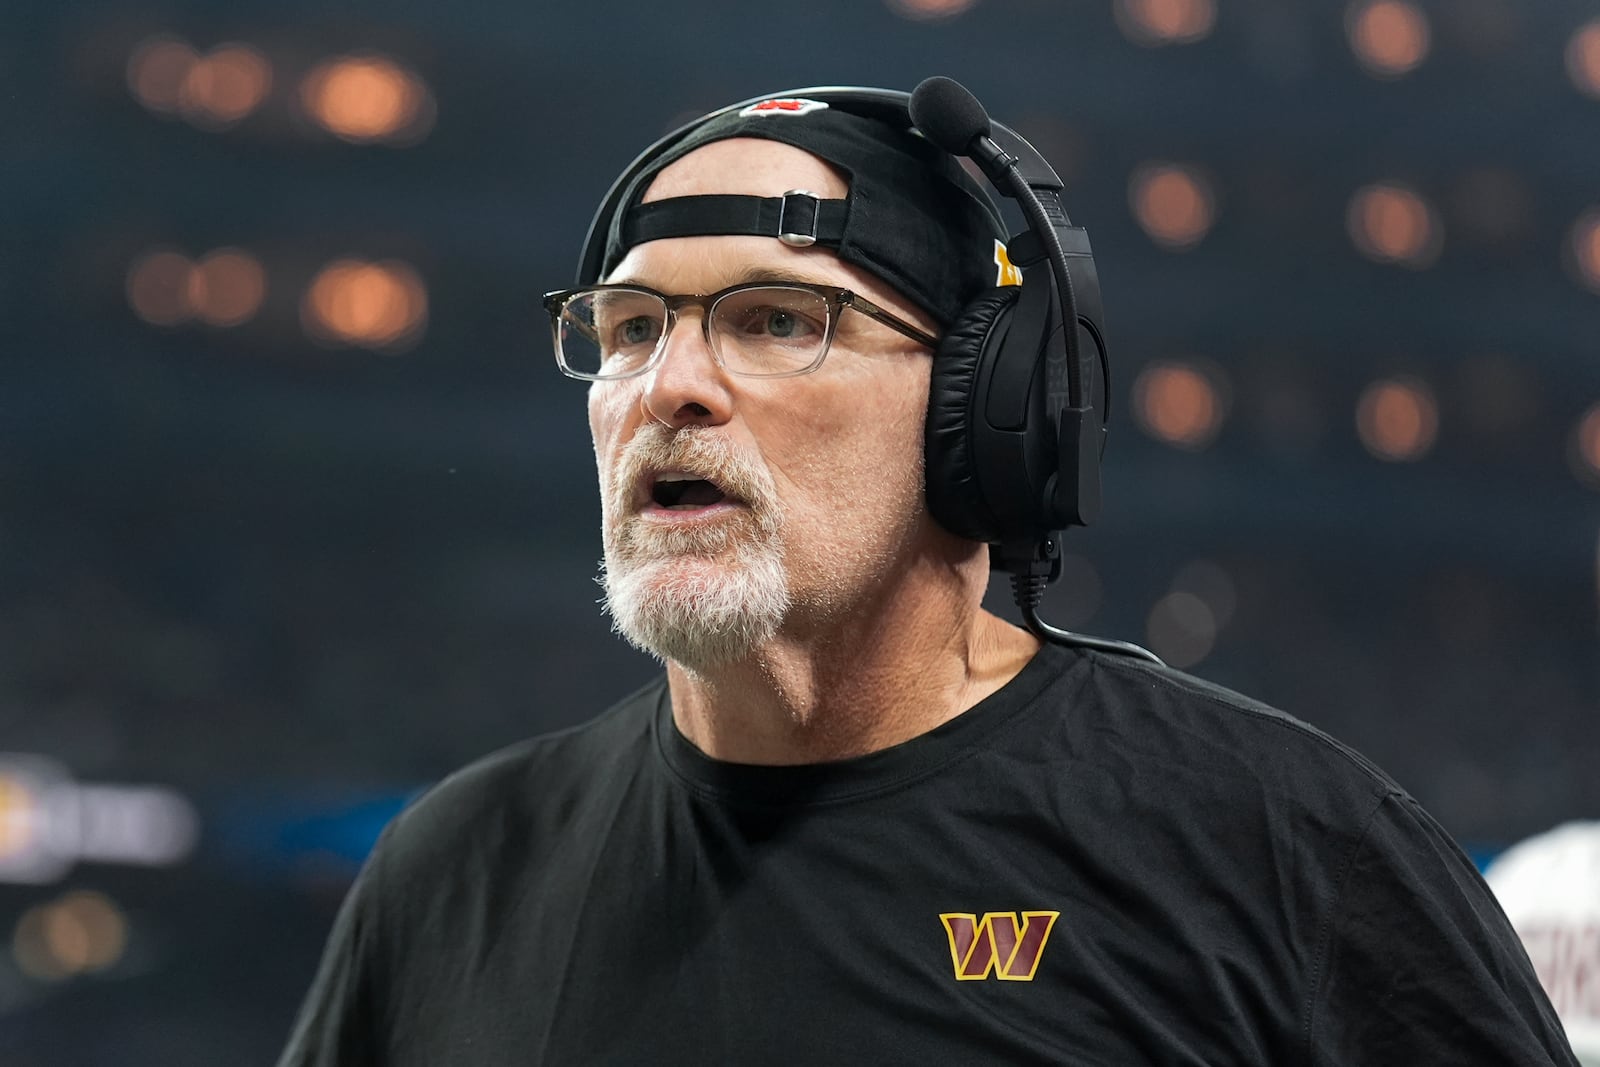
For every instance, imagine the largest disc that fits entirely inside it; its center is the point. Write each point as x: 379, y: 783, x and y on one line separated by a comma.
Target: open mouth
x: 682, y: 491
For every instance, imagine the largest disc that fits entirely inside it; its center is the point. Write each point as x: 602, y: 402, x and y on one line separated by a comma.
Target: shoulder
x: 526, y: 792
x: 1207, y: 740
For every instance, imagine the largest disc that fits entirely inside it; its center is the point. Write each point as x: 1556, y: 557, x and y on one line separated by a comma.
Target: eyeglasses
x: 756, y: 330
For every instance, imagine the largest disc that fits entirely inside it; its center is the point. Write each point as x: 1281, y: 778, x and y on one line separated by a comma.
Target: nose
x: 687, y: 386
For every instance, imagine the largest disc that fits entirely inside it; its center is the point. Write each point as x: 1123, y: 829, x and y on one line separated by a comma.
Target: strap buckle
x: 797, y: 218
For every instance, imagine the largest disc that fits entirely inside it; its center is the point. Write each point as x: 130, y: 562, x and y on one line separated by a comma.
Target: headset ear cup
x: 954, y: 489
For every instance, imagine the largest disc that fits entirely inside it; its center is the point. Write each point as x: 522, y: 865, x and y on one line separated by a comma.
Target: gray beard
x: 701, y: 598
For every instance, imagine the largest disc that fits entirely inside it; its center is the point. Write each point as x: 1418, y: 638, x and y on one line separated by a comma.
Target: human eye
x: 784, y: 317
x: 635, y: 331
x: 628, y: 325
x: 785, y: 324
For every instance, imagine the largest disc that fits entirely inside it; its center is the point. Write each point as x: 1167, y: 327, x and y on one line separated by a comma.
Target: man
x: 861, y: 819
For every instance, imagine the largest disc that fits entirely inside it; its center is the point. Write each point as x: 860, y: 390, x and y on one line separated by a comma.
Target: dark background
x: 296, y: 581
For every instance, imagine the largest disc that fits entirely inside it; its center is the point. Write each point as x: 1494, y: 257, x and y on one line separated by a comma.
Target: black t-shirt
x: 1104, y: 863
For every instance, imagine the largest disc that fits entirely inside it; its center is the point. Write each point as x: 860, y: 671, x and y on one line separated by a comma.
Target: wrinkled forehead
x: 747, y: 166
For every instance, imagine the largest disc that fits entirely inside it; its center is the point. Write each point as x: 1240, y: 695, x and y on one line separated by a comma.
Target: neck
x: 877, y: 676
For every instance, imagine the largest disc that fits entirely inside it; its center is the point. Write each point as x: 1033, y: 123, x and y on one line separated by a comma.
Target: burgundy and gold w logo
x: 995, y: 943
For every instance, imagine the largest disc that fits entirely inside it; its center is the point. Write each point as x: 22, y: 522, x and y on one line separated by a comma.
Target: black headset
x: 1017, y: 405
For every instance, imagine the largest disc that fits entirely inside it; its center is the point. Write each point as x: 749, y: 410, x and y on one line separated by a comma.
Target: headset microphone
x: 947, y: 114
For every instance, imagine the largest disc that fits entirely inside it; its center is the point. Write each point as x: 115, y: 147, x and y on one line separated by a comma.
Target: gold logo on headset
x: 1007, y: 272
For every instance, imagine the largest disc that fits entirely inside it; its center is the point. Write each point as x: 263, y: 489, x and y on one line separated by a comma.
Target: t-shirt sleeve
x: 1420, y: 964
x: 337, y: 1025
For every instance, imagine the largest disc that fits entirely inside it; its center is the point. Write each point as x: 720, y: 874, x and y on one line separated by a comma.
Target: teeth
x: 685, y: 497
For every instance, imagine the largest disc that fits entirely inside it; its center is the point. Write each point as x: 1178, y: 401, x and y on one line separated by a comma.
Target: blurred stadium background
x: 296, y: 514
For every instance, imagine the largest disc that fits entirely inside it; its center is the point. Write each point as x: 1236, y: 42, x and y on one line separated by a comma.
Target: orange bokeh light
x: 1392, y: 224
x: 1153, y: 22
x: 1583, y: 58
x: 156, y: 72
x: 1586, y: 446
x: 19, y: 813
x: 373, y: 305
x: 1584, y: 240
x: 1389, y: 37
x: 86, y: 930
x: 158, y: 287
x: 1179, y: 404
x: 83, y: 931
x: 927, y: 10
x: 226, y: 288
x: 1173, y: 204
x: 1397, y: 419
x: 224, y: 86
x: 367, y: 98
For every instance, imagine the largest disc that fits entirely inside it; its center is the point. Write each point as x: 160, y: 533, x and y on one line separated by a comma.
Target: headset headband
x: 886, y: 105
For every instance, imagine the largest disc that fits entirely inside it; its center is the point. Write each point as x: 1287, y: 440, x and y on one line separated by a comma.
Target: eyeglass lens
x: 769, y: 330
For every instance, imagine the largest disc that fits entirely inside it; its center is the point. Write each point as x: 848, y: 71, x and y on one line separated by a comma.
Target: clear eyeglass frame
x: 835, y: 298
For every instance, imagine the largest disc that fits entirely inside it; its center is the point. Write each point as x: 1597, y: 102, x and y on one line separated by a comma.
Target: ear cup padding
x: 951, y: 476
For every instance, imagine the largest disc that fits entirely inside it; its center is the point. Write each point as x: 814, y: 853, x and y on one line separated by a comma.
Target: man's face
x: 820, y: 476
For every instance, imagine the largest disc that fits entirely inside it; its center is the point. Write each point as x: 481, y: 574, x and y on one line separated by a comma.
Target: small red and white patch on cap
x: 784, y: 106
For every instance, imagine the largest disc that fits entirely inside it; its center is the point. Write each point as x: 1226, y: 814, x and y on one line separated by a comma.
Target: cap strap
x: 796, y: 218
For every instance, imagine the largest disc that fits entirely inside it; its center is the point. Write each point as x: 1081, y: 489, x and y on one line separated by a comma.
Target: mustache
x: 697, y: 449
